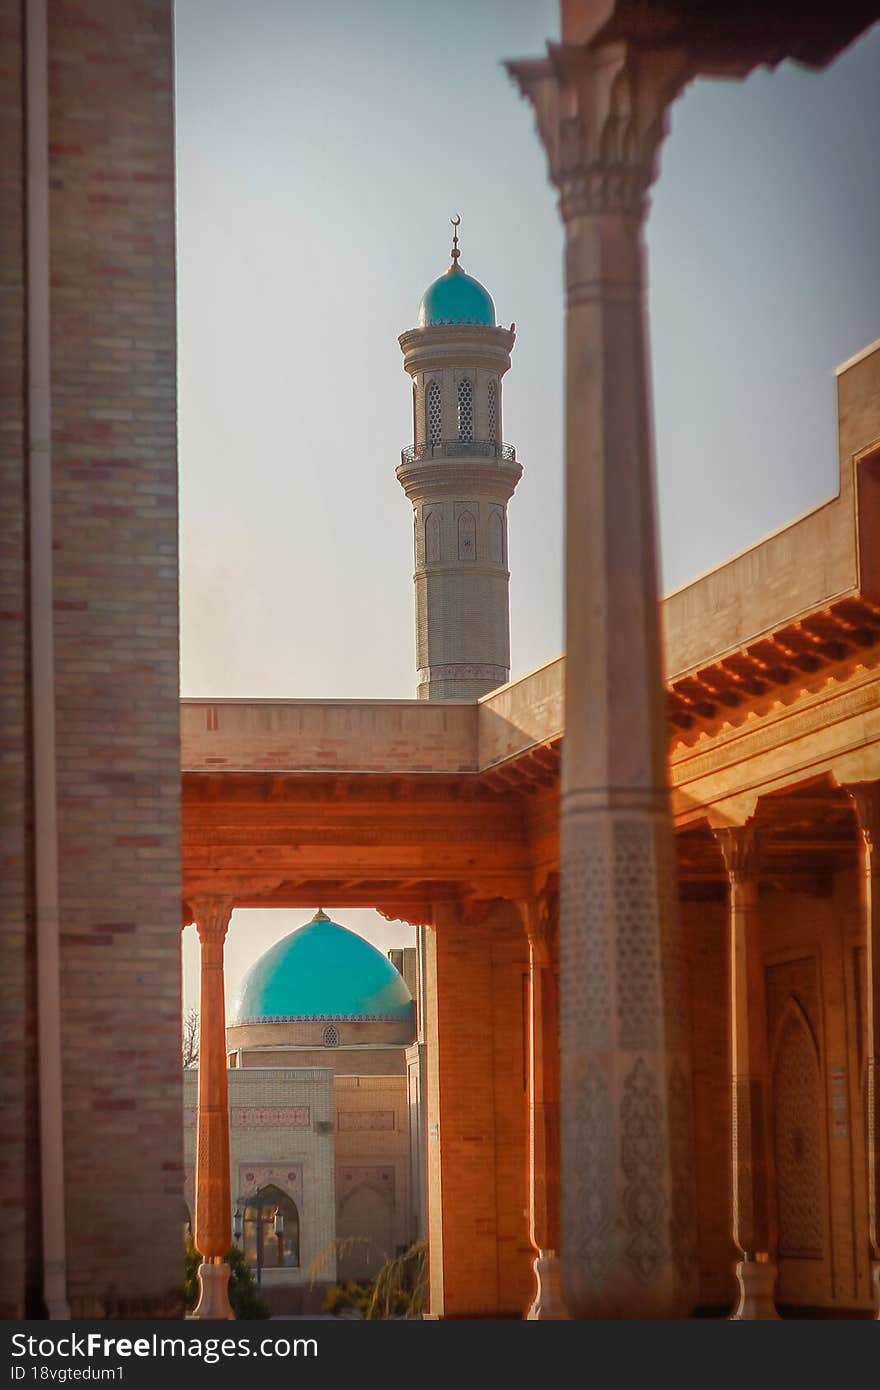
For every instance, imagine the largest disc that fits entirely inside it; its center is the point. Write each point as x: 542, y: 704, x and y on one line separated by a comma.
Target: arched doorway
x: 364, y: 1231
x: 267, y: 1242
x: 800, y: 1160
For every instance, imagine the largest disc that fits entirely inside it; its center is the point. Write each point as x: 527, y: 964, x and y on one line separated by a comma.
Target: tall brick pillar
x: 754, y: 1221
x: 90, y: 655
x: 479, y: 1251
x: 866, y: 799
x: 21, y: 1266
x: 628, y: 1224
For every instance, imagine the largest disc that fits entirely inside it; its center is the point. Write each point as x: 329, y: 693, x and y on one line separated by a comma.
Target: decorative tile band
x: 318, y: 1018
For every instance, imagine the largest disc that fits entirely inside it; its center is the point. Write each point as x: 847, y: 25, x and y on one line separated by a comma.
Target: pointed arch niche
x: 496, y: 536
x: 467, y: 536
x: 798, y: 1138
x: 432, y: 537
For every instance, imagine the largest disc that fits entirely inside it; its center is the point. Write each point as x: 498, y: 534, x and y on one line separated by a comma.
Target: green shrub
x: 244, y: 1295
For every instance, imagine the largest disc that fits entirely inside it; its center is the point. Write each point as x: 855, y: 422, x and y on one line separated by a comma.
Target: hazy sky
x: 321, y: 152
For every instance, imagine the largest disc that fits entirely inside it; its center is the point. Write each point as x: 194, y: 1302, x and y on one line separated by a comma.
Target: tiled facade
x: 373, y: 1200
x: 337, y: 1145
x: 280, y: 1134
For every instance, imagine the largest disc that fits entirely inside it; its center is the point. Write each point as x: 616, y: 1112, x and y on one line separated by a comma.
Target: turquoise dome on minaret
x: 322, y: 971
x: 456, y: 297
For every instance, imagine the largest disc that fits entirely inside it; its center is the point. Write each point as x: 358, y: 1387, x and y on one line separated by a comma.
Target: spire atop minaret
x: 456, y: 223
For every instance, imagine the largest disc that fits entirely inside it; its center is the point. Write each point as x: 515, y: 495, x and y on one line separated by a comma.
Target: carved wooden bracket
x: 211, y: 916
x: 740, y: 849
x: 865, y: 797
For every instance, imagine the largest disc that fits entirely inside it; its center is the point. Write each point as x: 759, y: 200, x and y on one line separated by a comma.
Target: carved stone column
x: 754, y: 1222
x: 540, y: 917
x: 213, y: 1205
x: 628, y: 1227
x: 866, y: 799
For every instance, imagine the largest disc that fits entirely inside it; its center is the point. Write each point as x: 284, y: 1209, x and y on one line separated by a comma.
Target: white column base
x: 757, y: 1280
x: 548, y: 1304
x: 214, y: 1292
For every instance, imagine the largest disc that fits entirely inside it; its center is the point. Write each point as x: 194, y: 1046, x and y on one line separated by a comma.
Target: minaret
x: 459, y: 477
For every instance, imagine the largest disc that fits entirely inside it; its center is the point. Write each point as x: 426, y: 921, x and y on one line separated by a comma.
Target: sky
x: 321, y: 151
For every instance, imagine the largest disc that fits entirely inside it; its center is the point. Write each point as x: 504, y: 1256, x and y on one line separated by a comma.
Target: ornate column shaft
x: 540, y: 916
x: 628, y: 1227
x: 866, y: 799
x: 753, y: 1205
x: 213, y: 1205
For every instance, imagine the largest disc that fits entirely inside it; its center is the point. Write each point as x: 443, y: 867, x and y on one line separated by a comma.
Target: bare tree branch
x: 191, y: 1038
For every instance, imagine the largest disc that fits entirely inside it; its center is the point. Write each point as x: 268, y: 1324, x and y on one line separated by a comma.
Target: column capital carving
x: 540, y: 918
x: 865, y: 797
x: 211, y: 916
x: 601, y: 114
x: 740, y: 850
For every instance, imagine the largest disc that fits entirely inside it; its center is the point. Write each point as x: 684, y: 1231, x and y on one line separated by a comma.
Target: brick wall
x: 705, y: 930
x: 115, y: 519
x: 477, y: 1117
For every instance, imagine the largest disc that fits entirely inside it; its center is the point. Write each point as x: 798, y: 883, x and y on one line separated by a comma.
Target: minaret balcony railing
x: 457, y: 449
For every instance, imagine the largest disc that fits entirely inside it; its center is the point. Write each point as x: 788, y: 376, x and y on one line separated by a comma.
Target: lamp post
x: 239, y: 1219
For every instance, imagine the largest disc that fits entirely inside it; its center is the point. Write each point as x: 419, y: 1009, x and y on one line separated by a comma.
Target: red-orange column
x: 866, y: 798
x: 754, y: 1224
x: 213, y: 1206
x: 541, y: 921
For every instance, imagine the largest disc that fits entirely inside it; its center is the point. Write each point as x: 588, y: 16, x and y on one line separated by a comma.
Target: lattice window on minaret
x: 492, y: 412
x: 465, y: 410
x: 435, y: 413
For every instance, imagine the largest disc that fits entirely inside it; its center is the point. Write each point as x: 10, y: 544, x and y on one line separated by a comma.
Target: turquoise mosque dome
x: 322, y: 971
x: 456, y: 297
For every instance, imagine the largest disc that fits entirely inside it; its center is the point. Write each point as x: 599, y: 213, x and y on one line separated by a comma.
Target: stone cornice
x: 459, y: 477
x: 464, y: 344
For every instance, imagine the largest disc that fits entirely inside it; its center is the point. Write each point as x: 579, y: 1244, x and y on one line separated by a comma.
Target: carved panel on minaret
x: 467, y: 536
x: 432, y: 537
x: 496, y: 536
